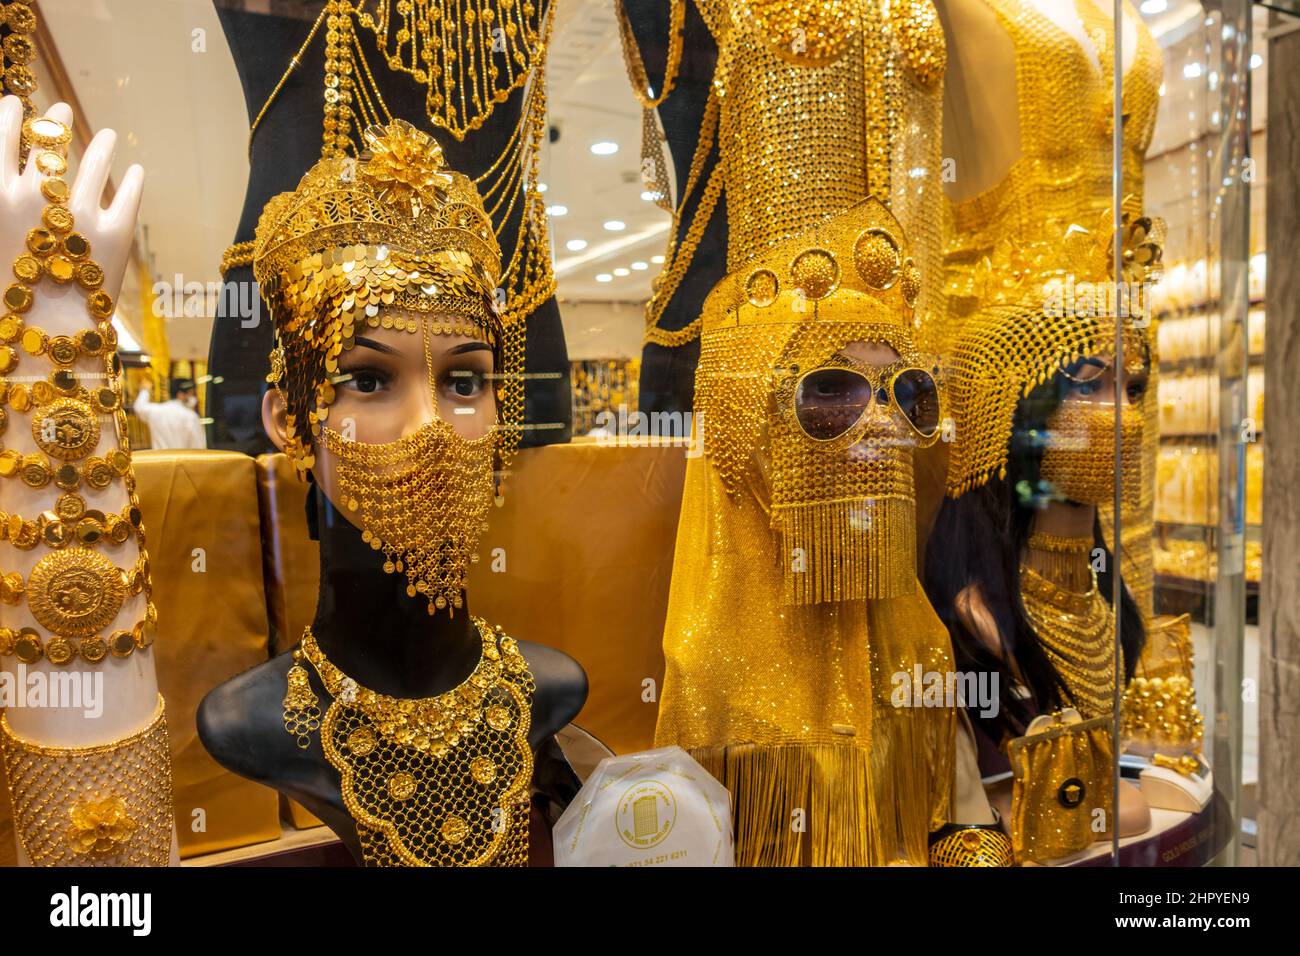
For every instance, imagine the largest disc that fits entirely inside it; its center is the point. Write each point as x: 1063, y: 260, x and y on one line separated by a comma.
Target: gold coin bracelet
x: 74, y: 592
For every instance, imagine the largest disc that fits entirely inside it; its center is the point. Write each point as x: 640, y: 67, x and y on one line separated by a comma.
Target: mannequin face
x: 387, y: 389
x: 1092, y: 380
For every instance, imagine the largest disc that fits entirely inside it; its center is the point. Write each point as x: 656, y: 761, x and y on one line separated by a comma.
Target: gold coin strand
x: 19, y: 53
x: 438, y: 781
x: 1078, y: 633
x: 74, y: 592
x: 107, y: 804
x: 652, y: 140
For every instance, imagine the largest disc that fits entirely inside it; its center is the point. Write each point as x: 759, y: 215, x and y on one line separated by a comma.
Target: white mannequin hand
x: 128, y: 688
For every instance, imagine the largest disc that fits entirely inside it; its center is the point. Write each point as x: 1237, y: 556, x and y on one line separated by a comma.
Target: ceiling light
x: 557, y: 210
x: 615, y: 225
x: 620, y: 272
x: 1152, y: 7
x: 649, y: 195
x: 542, y: 187
x: 657, y: 260
x: 604, y: 277
x: 1256, y: 61
x: 576, y: 245
x: 604, y: 148
x: 640, y: 266
x: 1192, y: 70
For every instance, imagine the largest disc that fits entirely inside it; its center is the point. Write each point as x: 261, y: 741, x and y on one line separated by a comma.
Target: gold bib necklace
x: 1078, y: 632
x: 433, y: 781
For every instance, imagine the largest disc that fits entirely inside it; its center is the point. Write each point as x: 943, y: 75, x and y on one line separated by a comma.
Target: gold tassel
x: 848, y: 550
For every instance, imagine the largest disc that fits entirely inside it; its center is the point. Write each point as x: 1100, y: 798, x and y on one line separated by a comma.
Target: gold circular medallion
x: 454, y: 830
x: 76, y: 246
x: 761, y: 288
x: 401, y: 786
x: 98, y: 474
x: 483, y: 769
x: 42, y: 392
x: 66, y: 429
x: 8, y: 358
x: 27, y: 268
x: 361, y: 741
x: 815, y: 272
x: 63, y: 350
x: 35, y: 474
x: 121, y: 643
x: 93, y: 648
x: 27, y: 646
x: 60, y: 651
x: 90, y: 275
x: 70, y: 506
x: 75, y: 593
x: 876, y: 255
x: 498, y: 718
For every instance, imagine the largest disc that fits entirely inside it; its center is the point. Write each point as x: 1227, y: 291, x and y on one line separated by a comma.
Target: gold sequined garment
x: 1078, y: 632
x: 441, y: 781
x: 781, y: 690
x: 821, y: 103
x: 102, y: 805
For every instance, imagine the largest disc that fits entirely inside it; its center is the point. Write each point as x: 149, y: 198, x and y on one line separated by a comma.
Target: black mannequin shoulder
x: 239, y: 719
x: 561, y: 684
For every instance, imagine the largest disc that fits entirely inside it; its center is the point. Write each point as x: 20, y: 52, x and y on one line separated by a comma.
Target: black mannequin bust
x: 668, y: 374
x: 287, y: 143
x: 368, y: 627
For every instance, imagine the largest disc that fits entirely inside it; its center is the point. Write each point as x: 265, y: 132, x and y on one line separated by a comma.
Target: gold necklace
x: 1078, y: 632
x: 435, y: 781
x: 1061, y: 560
x: 654, y: 169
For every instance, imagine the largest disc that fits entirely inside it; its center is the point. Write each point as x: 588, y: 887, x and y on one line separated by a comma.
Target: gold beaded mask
x: 1080, y: 457
x: 788, y: 411
x: 394, y: 240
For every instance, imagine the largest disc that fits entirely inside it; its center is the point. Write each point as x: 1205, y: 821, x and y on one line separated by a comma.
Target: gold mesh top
x: 825, y: 102
x: 1063, y: 173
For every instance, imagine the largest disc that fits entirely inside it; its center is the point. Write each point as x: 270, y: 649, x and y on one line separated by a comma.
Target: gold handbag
x: 1063, y: 776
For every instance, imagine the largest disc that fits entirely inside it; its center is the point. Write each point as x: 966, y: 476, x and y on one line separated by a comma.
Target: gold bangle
x: 36, y: 471
x: 105, y: 805
x: 71, y: 521
x: 21, y: 397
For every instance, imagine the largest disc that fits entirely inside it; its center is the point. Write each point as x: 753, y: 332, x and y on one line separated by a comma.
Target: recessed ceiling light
x: 557, y: 210
x: 1152, y: 7
x: 640, y: 266
x: 604, y: 148
x: 657, y: 260
x: 615, y: 225
x: 1192, y: 70
x: 604, y: 277
x: 649, y: 195
x: 1256, y: 61
x: 542, y: 187
x: 620, y: 272
x: 576, y: 245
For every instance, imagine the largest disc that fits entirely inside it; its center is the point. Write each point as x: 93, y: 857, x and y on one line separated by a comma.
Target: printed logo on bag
x: 646, y: 814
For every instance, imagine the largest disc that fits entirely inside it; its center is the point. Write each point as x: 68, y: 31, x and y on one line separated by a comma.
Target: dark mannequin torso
x: 369, y: 628
x: 287, y: 143
x: 668, y: 374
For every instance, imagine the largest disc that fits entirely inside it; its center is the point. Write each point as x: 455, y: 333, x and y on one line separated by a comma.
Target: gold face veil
x: 392, y: 240
x: 795, y: 621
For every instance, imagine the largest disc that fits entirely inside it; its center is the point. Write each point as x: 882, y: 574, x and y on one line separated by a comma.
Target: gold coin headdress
x: 360, y: 241
x: 792, y: 309
x: 1046, y: 306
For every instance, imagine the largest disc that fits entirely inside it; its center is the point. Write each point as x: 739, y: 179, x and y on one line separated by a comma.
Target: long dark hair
x: 977, y: 541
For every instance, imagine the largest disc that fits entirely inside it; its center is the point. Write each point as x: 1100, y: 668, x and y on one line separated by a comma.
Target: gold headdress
x: 1047, y: 305
x: 779, y: 680
x: 791, y: 310
x: 367, y: 243
x: 397, y: 229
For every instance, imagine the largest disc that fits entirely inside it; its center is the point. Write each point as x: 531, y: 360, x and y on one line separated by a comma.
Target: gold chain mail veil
x: 779, y: 681
x: 1050, y: 218
x: 816, y: 104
